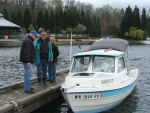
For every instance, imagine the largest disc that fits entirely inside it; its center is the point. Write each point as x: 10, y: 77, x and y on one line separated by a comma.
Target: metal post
x: 70, y: 49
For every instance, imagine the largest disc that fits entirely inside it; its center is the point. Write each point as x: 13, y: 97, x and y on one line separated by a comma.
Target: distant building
x: 8, y: 28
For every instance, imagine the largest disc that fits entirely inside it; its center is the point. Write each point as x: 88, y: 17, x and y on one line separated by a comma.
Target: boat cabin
x: 98, y: 61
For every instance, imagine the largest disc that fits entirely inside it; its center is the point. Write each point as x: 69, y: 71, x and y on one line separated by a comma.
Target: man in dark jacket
x: 27, y: 57
x: 43, y: 55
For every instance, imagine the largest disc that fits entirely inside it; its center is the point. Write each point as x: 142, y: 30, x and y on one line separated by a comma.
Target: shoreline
x: 18, y: 43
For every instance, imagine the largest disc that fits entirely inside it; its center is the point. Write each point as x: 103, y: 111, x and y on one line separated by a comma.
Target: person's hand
x: 86, y: 50
x: 109, y: 49
x: 28, y: 64
x: 51, y: 60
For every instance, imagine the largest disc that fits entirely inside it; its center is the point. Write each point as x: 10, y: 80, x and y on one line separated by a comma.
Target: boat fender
x: 17, y: 105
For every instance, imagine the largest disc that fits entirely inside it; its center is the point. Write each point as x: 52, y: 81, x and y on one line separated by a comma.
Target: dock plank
x: 30, y: 102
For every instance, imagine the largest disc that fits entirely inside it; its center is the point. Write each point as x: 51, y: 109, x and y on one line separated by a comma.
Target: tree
x: 46, y: 20
x: 52, y: 22
x: 136, y: 18
x: 40, y: 19
x: 31, y: 27
x: 13, y: 17
x: 135, y: 33
x: 80, y: 28
x: 69, y: 30
x: 27, y: 19
x: 126, y: 22
x: 5, y: 13
x: 19, y: 18
x: 32, y: 4
x: 143, y: 20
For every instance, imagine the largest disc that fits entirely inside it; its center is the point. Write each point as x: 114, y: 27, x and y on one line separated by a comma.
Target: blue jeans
x: 52, y: 71
x: 42, y: 68
x: 27, y: 76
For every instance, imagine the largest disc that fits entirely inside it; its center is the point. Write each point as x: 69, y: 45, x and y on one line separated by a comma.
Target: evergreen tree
x: 40, y: 19
x: 126, y: 22
x: 143, y: 20
x: 27, y: 19
x: 136, y: 18
x: 83, y: 18
x: 148, y: 27
x: 52, y: 26
x: 13, y: 17
x: 5, y: 13
x: 46, y: 20
x: 19, y: 18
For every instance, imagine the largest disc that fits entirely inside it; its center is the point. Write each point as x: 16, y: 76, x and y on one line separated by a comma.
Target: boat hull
x: 145, y: 42
x: 99, y: 101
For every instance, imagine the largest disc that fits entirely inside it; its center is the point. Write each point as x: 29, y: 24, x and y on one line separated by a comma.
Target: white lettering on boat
x: 88, y: 96
x: 107, y: 81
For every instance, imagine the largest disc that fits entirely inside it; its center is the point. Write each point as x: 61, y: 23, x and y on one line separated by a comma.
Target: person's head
x: 33, y: 34
x: 53, y: 40
x: 43, y: 35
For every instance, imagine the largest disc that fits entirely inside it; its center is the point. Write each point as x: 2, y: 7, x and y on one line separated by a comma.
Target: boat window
x: 121, y: 64
x: 104, y: 64
x: 80, y: 64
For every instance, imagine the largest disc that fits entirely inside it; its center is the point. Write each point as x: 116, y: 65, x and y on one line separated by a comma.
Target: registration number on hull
x: 88, y: 96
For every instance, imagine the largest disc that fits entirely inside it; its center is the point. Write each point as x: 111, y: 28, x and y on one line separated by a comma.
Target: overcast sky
x: 120, y: 3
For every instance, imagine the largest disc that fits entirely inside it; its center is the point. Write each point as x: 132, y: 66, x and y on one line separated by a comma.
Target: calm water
x: 137, y: 102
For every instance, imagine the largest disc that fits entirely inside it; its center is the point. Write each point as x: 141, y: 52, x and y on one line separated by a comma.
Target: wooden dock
x: 14, y: 100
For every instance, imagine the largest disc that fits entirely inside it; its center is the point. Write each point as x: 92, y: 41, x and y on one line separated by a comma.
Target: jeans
x: 52, y: 71
x: 27, y: 76
x: 42, y: 68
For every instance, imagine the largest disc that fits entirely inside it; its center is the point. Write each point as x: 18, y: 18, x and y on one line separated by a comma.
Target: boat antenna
x: 70, y: 49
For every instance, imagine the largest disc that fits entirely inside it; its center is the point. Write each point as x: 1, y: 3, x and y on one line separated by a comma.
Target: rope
x: 17, y: 105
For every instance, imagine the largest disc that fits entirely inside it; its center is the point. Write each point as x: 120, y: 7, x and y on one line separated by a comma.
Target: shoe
x: 47, y: 79
x: 29, y: 91
x: 44, y: 81
x: 52, y: 81
x: 40, y: 82
x: 32, y: 88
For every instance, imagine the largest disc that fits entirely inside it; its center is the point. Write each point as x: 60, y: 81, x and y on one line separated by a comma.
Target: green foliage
x: 31, y: 27
x: 46, y: 20
x: 69, y: 30
x: 27, y: 19
x: 19, y: 18
x: 5, y: 13
x: 80, y: 28
x: 63, y: 31
x: 135, y: 33
x: 143, y: 20
x: 61, y: 15
x: 40, y: 19
x: 23, y: 30
x: 41, y: 29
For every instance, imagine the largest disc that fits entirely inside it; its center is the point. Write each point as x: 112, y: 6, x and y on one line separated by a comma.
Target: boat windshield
x: 80, y: 64
x: 104, y: 64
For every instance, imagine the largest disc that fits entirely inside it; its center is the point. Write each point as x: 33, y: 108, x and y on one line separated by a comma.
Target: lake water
x: 138, y: 101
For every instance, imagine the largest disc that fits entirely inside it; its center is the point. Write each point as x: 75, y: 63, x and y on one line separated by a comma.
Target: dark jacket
x: 55, y: 52
x: 37, y: 47
x: 44, y: 48
x: 27, y: 52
